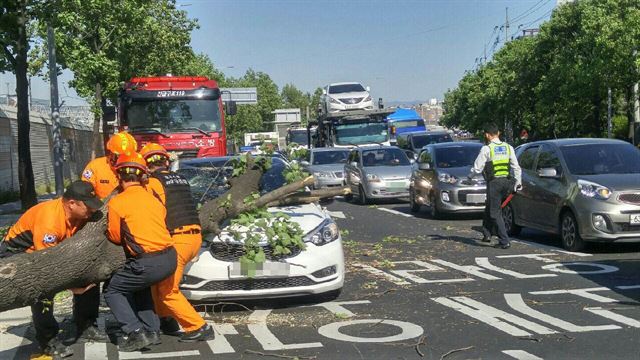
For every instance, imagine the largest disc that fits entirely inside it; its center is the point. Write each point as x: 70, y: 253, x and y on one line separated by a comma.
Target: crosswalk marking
x: 521, y: 355
x: 163, y: 355
x: 95, y: 350
x: 396, y: 212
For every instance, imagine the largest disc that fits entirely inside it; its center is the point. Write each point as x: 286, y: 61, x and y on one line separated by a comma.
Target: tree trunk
x: 25, y: 169
x: 97, y: 147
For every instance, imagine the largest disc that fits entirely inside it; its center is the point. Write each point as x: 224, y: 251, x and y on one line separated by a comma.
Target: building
x: 77, y: 136
x: 431, y: 112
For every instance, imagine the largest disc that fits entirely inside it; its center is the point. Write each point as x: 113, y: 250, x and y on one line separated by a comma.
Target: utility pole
x: 7, y: 92
x: 485, y: 54
x: 55, y: 113
x: 636, y: 109
x: 609, y: 124
x: 506, y: 27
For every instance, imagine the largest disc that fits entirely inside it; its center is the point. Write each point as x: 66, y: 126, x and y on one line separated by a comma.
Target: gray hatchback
x: 582, y: 189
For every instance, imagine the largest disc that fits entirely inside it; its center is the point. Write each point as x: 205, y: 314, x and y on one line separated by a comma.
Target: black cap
x: 83, y: 191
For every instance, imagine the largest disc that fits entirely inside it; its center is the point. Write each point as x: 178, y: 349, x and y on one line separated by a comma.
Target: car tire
x: 415, y: 207
x: 349, y: 197
x: 570, y: 233
x: 433, y: 205
x: 510, y: 221
x: 362, y: 196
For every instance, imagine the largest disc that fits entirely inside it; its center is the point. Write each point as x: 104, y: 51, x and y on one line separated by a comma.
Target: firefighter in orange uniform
x: 46, y: 225
x: 174, y: 192
x: 100, y: 171
x: 136, y: 220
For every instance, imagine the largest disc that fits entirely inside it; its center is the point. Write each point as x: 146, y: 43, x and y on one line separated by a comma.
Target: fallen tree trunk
x: 89, y: 257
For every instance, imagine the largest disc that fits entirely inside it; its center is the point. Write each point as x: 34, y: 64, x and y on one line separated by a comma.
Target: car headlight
x: 373, y: 178
x: 447, y: 178
x: 323, y: 234
x: 368, y: 98
x: 593, y: 190
x: 334, y: 101
x: 321, y: 175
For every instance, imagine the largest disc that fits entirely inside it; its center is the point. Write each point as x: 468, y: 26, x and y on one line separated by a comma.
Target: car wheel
x: 570, y: 234
x: 415, y: 207
x: 433, y: 205
x: 510, y: 221
x: 362, y: 196
x: 349, y: 197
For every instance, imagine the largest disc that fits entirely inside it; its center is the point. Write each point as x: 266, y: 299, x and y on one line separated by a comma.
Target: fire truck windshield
x: 174, y: 115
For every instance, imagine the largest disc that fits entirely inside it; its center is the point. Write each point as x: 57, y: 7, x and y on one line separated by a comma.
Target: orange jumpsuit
x: 168, y: 299
x: 42, y: 226
x: 99, y: 173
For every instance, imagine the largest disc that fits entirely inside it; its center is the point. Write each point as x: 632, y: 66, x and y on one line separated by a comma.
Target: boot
x: 91, y: 333
x: 169, y: 326
x: 204, y: 333
x: 136, y: 341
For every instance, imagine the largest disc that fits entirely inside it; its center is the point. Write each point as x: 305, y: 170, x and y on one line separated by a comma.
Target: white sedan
x: 318, y: 269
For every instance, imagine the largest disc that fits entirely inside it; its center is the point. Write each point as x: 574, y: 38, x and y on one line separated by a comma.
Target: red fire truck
x: 182, y: 113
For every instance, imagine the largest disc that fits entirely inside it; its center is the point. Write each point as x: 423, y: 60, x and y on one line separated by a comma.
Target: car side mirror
x: 304, y: 163
x: 368, y: 88
x: 548, y: 173
x: 354, y: 164
x: 324, y: 92
x: 424, y: 166
x: 231, y: 108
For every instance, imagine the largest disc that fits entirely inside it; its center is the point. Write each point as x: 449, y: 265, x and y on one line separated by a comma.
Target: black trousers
x: 85, y: 313
x: 129, y: 293
x: 497, y: 190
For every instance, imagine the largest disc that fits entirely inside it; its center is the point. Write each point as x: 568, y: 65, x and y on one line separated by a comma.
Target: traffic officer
x: 136, y: 220
x: 174, y: 193
x: 495, y: 161
x: 46, y: 225
x: 100, y: 171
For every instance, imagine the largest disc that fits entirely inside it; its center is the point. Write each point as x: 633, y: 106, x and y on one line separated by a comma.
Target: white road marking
x: 10, y: 343
x: 521, y: 355
x: 220, y: 344
x: 258, y: 328
x: 407, y: 274
x: 337, y: 214
x: 484, y: 262
x: 613, y: 316
x: 469, y: 269
x: 336, y: 306
x: 163, y: 355
x: 95, y: 350
x: 409, y: 331
x: 517, y: 303
x: 539, y: 257
x: 396, y: 212
x: 585, y: 293
x: 562, y: 268
x: 491, y: 316
x: 552, y: 248
x: 378, y: 272
x: 628, y: 287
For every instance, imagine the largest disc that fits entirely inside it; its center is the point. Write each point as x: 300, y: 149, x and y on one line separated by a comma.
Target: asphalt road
x: 419, y: 288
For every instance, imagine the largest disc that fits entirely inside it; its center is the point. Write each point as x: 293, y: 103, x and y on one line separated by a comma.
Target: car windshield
x: 209, y: 179
x: 298, y: 137
x: 174, y: 115
x: 596, y: 159
x: 456, y: 156
x: 345, y: 88
x: 330, y: 157
x: 384, y: 157
x: 422, y: 140
x: 357, y: 134
x: 408, y: 123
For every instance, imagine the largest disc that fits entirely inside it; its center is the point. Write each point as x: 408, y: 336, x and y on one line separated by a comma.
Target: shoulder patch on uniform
x: 87, y: 174
x: 49, y: 238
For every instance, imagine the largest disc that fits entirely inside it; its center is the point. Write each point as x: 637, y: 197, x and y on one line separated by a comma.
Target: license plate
x: 634, y: 219
x: 397, y: 185
x: 476, y: 198
x: 238, y: 270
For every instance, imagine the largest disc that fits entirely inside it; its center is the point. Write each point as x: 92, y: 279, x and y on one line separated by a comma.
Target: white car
x: 318, y: 269
x: 345, y: 96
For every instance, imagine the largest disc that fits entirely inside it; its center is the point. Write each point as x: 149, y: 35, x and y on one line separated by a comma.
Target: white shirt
x: 485, y: 155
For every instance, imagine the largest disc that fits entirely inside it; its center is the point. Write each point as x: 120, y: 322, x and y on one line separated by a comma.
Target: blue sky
x: 404, y: 50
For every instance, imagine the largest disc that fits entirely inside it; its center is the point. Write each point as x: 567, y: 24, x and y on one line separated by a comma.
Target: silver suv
x: 582, y: 189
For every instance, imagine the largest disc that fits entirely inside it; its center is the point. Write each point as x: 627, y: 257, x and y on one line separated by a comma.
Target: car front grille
x: 349, y: 101
x: 462, y: 196
x: 633, y: 199
x: 233, y: 252
x: 257, y: 284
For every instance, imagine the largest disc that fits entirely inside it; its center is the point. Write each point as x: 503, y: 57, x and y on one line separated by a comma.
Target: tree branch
x: 8, y: 54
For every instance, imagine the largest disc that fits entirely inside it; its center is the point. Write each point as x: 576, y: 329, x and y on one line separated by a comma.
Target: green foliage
x: 555, y: 84
x: 4, y: 230
x: 620, y: 127
x: 294, y: 173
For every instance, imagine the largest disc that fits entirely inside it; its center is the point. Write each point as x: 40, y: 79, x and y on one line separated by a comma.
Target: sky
x: 405, y: 50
